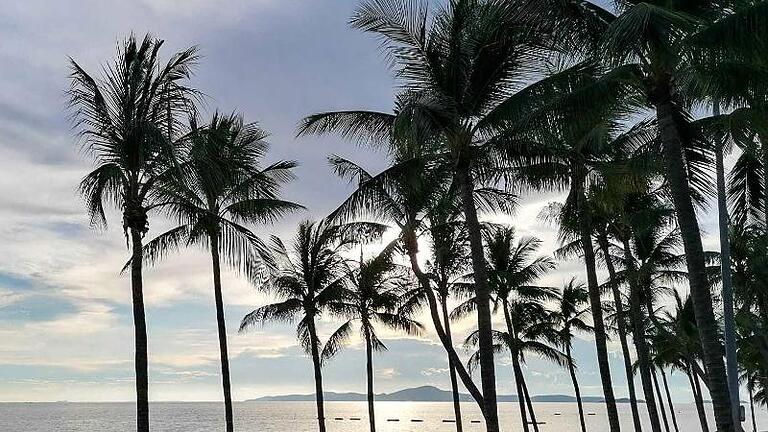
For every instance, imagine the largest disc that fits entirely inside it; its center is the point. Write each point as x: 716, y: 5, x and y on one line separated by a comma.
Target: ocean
x: 300, y: 417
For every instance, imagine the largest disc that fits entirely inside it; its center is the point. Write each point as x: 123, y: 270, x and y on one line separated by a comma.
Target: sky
x: 65, y: 311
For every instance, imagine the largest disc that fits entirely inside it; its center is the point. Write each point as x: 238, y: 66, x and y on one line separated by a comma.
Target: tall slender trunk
x: 411, y: 247
x: 729, y: 328
x: 222, y: 328
x: 677, y: 177
x: 319, y: 396
x: 483, y: 297
x: 452, y: 368
x: 585, y: 228
x: 529, y: 403
x: 660, y: 399
x: 576, y: 390
x: 622, y: 330
x: 516, y: 368
x: 752, y: 409
x: 140, y: 334
x: 520, y: 393
x: 697, y: 399
x: 369, y: 377
x: 669, y: 399
x: 638, y: 330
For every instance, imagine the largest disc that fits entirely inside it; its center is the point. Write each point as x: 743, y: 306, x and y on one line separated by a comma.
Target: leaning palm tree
x: 570, y: 314
x: 448, y: 269
x: 129, y: 120
x: 401, y: 195
x: 309, y: 280
x: 220, y: 186
x: 530, y: 331
x: 458, y: 65
x: 374, y: 299
x: 513, y: 272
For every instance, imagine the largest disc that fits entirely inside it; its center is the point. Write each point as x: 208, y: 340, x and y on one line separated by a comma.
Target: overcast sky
x: 65, y: 317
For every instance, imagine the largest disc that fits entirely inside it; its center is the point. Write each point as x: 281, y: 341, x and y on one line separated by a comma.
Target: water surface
x: 300, y: 417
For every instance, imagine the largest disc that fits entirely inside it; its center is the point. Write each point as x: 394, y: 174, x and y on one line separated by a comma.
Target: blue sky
x: 65, y: 318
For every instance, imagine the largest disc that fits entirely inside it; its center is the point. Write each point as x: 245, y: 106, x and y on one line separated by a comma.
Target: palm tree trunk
x: 669, y: 399
x: 622, y: 330
x: 369, y: 376
x: 576, y: 391
x: 528, y: 402
x: 725, y: 268
x: 520, y: 393
x: 660, y: 399
x: 140, y: 334
x: 752, y: 409
x: 452, y: 369
x: 697, y: 399
x: 677, y: 177
x: 483, y: 297
x: 516, y: 369
x: 222, y: 327
x: 412, y: 249
x: 641, y: 346
x: 319, y: 396
x: 585, y: 228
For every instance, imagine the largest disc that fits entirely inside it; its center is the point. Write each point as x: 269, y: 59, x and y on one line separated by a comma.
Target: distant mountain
x: 421, y: 394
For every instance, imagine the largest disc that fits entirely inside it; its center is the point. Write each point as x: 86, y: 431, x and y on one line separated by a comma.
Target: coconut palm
x: 399, y: 195
x: 448, y: 270
x: 373, y: 299
x: 640, y: 215
x: 129, y: 120
x: 569, y: 237
x: 220, y: 186
x: 558, y: 146
x: 530, y: 330
x: 683, y: 53
x: 570, y: 317
x: 602, y: 222
x: 677, y: 345
x: 513, y: 272
x: 459, y: 64
x: 659, y: 364
x: 309, y: 280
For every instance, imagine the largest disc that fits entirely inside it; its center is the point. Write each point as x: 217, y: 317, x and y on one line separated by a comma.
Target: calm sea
x: 300, y: 417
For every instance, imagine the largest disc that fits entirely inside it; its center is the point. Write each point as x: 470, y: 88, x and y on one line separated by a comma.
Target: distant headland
x: 422, y: 394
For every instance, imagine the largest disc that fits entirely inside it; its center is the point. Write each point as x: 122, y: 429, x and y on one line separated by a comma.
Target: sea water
x: 340, y: 417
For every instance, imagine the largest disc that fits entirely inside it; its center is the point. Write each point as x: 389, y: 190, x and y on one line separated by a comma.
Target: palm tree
x: 448, y: 269
x: 663, y: 47
x: 530, y: 330
x: 659, y: 364
x: 569, y: 315
x: 634, y: 222
x: 513, y: 272
x: 559, y: 146
x: 399, y: 195
x: 374, y: 299
x: 623, y: 324
x: 129, y: 120
x: 220, y: 186
x: 677, y: 344
x: 309, y: 280
x: 458, y: 66
x: 682, y: 53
